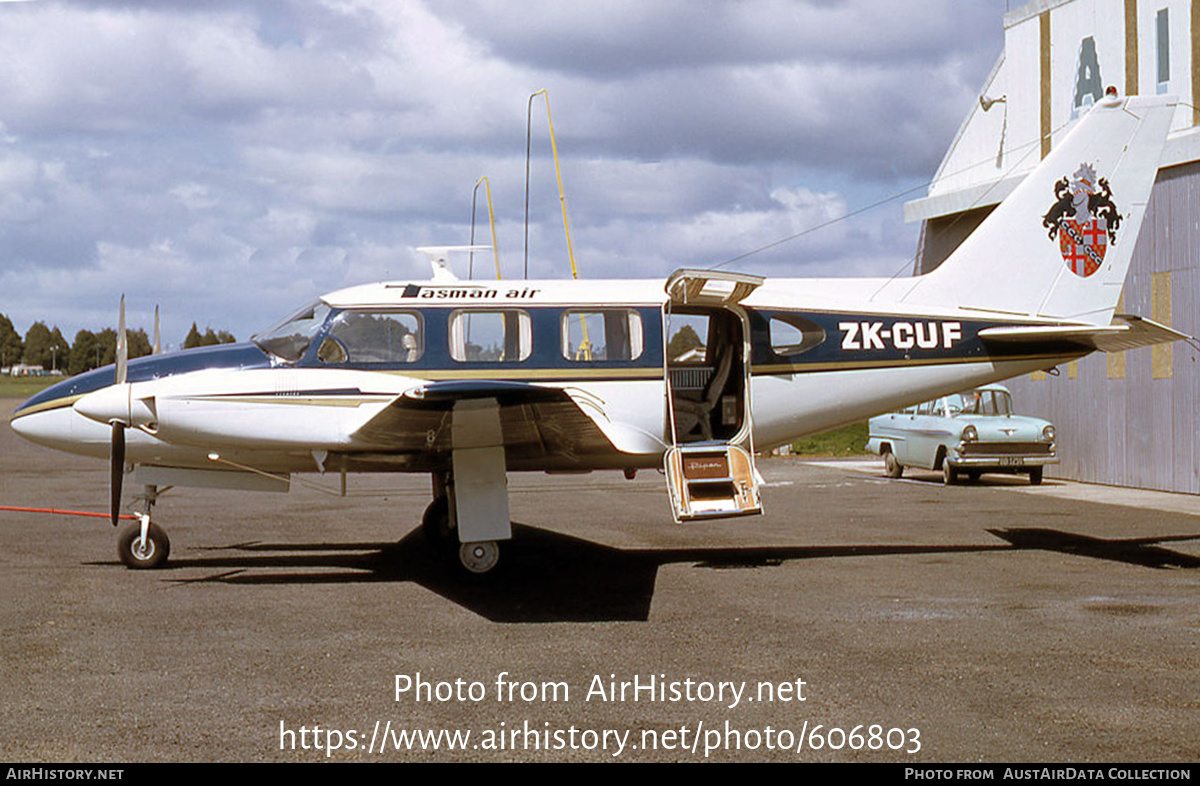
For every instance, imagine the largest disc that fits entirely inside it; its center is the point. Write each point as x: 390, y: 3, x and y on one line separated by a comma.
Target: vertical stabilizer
x: 1059, y: 246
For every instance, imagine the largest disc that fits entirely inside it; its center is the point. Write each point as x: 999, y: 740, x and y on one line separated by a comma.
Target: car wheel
x: 949, y: 473
x: 1035, y: 476
x: 892, y: 465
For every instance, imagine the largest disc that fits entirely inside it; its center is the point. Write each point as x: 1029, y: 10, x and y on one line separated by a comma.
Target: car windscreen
x: 988, y: 402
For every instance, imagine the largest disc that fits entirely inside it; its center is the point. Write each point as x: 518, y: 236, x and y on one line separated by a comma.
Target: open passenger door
x: 710, y: 464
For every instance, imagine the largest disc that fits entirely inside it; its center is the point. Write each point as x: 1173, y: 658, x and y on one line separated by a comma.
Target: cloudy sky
x: 232, y: 159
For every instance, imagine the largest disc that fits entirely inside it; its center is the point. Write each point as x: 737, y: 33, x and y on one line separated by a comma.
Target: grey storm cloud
x: 229, y: 158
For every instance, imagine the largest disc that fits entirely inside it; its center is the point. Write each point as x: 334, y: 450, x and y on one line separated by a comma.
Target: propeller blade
x: 118, y: 467
x: 157, y: 349
x: 122, y: 346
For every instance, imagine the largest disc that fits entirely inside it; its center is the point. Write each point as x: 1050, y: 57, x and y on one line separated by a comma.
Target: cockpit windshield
x: 289, y: 338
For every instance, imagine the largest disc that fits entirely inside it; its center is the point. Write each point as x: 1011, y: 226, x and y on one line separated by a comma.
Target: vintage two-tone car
x: 965, y: 433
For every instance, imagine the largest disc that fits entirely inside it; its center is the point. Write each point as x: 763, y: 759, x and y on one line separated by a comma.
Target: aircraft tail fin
x: 1060, y: 245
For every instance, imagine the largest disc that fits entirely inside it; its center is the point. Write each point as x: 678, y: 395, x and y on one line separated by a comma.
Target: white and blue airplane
x: 468, y: 381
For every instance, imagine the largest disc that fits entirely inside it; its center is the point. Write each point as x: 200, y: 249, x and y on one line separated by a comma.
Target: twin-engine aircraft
x: 468, y: 381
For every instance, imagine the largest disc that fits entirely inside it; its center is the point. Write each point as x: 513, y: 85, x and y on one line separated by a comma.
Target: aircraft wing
x: 1127, y: 332
x: 535, y: 421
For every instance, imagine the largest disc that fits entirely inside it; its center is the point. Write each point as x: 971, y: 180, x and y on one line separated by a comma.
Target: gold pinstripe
x: 616, y: 375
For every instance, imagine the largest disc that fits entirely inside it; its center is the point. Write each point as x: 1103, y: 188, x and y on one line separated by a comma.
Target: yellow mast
x: 487, y: 186
x: 585, y: 348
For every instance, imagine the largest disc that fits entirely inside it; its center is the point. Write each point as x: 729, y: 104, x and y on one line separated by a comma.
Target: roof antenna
x: 439, y: 260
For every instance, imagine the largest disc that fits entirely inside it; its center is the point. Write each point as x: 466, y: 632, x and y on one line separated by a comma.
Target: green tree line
x: 48, y: 348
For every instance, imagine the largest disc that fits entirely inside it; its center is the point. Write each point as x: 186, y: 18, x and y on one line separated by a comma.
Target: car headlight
x: 969, y: 434
x: 1048, y: 433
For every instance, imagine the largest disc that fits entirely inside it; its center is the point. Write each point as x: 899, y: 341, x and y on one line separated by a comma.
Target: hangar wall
x: 1133, y: 418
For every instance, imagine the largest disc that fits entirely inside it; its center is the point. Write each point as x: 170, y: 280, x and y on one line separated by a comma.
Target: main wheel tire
x: 949, y: 473
x: 892, y: 466
x: 143, y: 556
x: 1035, y: 476
x: 480, y: 557
x: 973, y: 474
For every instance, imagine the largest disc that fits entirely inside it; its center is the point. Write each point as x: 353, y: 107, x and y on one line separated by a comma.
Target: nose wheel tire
x: 140, y: 555
x: 480, y: 557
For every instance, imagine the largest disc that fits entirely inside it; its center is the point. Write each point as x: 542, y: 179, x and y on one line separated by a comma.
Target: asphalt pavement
x: 859, y: 619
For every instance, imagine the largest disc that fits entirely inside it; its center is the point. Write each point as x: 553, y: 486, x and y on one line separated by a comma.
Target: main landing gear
x: 143, y: 545
x: 475, y: 558
x: 440, y: 528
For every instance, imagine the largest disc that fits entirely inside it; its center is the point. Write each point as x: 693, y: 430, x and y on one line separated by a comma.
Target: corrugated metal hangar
x: 1133, y: 418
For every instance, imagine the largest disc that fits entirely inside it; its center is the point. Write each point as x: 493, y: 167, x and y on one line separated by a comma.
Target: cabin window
x: 792, y: 334
x: 602, y: 335
x: 490, y: 336
x: 381, y: 337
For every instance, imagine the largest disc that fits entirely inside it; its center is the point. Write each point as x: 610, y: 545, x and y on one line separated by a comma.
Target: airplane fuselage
x: 811, y: 368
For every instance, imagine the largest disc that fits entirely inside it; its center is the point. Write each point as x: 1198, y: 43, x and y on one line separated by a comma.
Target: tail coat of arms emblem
x: 1084, y: 220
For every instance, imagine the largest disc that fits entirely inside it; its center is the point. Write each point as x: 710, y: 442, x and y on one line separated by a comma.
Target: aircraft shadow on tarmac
x: 1134, y: 551
x: 546, y: 576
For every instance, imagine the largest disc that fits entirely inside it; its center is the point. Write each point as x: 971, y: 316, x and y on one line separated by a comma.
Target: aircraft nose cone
x: 62, y: 429
x: 51, y: 429
x: 23, y: 426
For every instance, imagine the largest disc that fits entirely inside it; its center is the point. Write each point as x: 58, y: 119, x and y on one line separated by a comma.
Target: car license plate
x: 1012, y: 461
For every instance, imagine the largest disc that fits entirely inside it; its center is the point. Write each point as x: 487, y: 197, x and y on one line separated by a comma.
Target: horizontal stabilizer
x: 1128, y: 331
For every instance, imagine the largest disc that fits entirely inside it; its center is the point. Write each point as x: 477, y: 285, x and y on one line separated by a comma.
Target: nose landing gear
x: 144, y: 545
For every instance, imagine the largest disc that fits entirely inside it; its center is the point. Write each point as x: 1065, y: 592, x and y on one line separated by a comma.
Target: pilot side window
x: 602, y: 335
x: 380, y: 337
x: 490, y: 336
x: 290, y: 338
